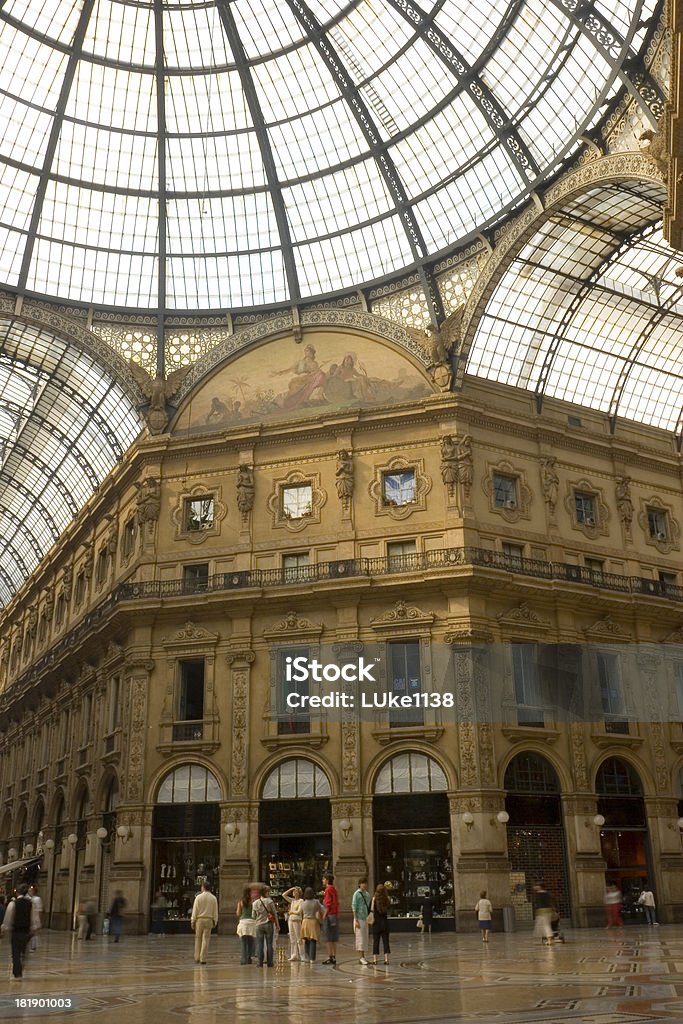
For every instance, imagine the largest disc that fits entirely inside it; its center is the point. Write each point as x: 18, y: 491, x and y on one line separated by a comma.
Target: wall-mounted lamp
x: 11, y: 854
x: 468, y: 820
x: 232, y: 830
x: 501, y: 818
x: 49, y: 845
x: 101, y: 833
x: 72, y: 839
x: 598, y: 820
x: 346, y: 826
x: 28, y: 849
x: 124, y: 832
x: 680, y: 824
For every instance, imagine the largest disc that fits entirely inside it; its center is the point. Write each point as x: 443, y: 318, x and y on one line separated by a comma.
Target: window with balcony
x: 405, y: 676
x: 297, y: 501
x: 657, y: 525
x: 291, y: 720
x: 594, y: 564
x: 191, y: 691
x: 611, y: 694
x: 401, y: 554
x: 199, y: 514
x: 514, y: 553
x: 196, y: 578
x: 504, y: 491
x: 399, y: 488
x: 527, y: 685
x: 295, y: 566
x: 114, y: 705
x: 584, y: 505
x: 668, y: 581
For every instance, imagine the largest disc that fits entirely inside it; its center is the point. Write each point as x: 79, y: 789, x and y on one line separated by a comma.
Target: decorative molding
x: 190, y: 634
x: 220, y: 510
x: 423, y: 486
x: 275, y: 501
x: 606, y: 627
x: 402, y: 614
x: 524, y: 494
x: 293, y: 624
x: 523, y: 615
x: 599, y: 528
x: 671, y: 540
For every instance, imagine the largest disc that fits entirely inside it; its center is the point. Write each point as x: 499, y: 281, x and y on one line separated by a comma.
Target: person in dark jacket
x: 21, y: 920
x: 116, y: 915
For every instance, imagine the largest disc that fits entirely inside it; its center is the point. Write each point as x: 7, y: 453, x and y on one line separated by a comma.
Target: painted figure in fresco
x: 218, y: 412
x: 309, y: 376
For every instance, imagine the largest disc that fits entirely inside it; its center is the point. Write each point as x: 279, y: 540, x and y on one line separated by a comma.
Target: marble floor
x: 628, y: 976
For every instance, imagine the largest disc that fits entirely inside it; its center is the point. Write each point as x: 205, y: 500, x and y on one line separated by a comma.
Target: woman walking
x: 379, y: 908
x: 312, y: 911
x: 246, y: 927
x: 484, y: 912
x: 294, y: 897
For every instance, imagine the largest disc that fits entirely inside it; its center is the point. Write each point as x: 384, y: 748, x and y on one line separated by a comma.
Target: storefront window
x: 181, y: 866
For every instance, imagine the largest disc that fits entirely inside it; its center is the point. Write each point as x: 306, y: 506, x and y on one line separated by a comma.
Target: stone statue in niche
x: 344, y: 475
x: 148, y: 501
x: 245, y: 489
x: 465, y: 464
x: 550, y: 483
x: 622, y: 493
x: 158, y: 393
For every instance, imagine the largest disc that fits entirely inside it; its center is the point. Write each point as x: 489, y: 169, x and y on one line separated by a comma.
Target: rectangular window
x: 399, y: 488
x: 678, y: 688
x: 86, y: 720
x: 668, y: 581
x: 114, y: 712
x: 514, y: 553
x: 196, y: 578
x: 611, y: 694
x: 128, y: 542
x: 401, y: 554
x: 405, y: 673
x: 297, y: 501
x: 527, y: 685
x: 585, y: 508
x: 594, y: 564
x: 59, y: 610
x: 657, y: 524
x: 199, y: 514
x: 504, y: 491
x: 102, y: 565
x: 191, y: 695
x: 291, y: 720
x: 80, y: 588
x: 295, y: 566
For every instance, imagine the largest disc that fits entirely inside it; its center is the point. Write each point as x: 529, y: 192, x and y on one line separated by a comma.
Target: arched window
x: 411, y: 773
x: 529, y: 772
x: 189, y: 784
x: 616, y: 778
x: 296, y: 779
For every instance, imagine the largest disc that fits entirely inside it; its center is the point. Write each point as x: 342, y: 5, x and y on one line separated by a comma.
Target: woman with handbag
x: 379, y: 909
x: 263, y: 911
x: 246, y: 927
x: 360, y: 905
x: 312, y: 911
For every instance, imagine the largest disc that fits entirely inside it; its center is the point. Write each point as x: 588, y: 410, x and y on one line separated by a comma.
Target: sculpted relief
x: 280, y: 379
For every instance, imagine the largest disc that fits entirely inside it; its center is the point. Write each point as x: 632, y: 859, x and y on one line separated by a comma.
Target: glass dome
x: 175, y: 155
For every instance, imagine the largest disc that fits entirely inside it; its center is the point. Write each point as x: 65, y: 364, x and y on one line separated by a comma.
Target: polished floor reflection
x: 597, y: 977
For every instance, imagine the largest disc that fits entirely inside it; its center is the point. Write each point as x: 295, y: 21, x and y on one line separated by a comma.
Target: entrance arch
x: 624, y: 839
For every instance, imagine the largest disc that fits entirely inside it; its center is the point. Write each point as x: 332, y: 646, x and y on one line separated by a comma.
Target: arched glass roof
x: 64, y: 423
x: 591, y: 311
x: 179, y: 155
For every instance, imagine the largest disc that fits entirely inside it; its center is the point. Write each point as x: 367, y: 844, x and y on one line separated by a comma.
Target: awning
x: 16, y: 865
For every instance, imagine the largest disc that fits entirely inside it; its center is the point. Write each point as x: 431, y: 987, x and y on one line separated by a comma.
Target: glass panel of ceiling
x: 64, y: 424
x: 202, y: 155
x: 591, y: 313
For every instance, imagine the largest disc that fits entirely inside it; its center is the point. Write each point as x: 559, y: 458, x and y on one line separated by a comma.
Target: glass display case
x: 415, y: 867
x: 294, y: 860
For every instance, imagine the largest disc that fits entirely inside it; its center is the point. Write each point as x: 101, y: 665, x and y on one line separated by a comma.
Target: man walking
x: 204, y: 919
x: 360, y: 905
x: 21, y: 919
x: 330, y: 919
x: 38, y: 904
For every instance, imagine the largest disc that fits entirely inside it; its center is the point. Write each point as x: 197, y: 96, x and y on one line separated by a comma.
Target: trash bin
x: 508, y: 919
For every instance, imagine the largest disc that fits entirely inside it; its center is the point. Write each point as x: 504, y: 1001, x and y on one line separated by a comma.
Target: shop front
x: 413, y: 854
x: 186, y: 845
x: 295, y: 828
x: 624, y: 839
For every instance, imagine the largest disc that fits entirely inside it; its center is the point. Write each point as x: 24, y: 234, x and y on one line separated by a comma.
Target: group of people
x: 614, y: 901
x: 20, y: 919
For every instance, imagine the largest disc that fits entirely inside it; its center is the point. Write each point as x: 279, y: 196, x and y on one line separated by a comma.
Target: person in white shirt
x: 204, y: 919
x: 646, y: 900
x: 484, y: 912
x: 38, y: 904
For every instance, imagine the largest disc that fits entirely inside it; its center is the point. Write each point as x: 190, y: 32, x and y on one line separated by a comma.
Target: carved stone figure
x: 465, y: 463
x: 245, y: 489
x: 550, y: 482
x: 449, y: 462
x: 622, y: 492
x: 653, y: 145
x: 443, y: 343
x: 158, y: 393
x: 32, y: 622
x: 67, y: 581
x: 111, y: 540
x: 344, y: 475
x: 148, y: 501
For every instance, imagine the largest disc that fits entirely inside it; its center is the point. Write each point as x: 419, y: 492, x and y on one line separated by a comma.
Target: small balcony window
x: 295, y: 566
x: 196, y: 578
x: 401, y: 554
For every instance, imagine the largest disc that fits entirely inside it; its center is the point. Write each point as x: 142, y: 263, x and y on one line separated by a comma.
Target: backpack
x: 22, y: 914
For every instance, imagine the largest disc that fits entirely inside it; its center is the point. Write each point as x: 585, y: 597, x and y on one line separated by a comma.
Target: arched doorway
x: 109, y: 805
x: 186, y: 841
x: 535, y: 834
x: 295, y: 826
x: 624, y: 837
x: 411, y: 826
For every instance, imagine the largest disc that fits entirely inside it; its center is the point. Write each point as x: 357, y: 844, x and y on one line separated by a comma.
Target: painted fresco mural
x: 325, y: 374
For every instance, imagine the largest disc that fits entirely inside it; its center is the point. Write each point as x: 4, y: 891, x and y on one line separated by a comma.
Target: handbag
x: 272, y: 918
x: 371, y: 915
